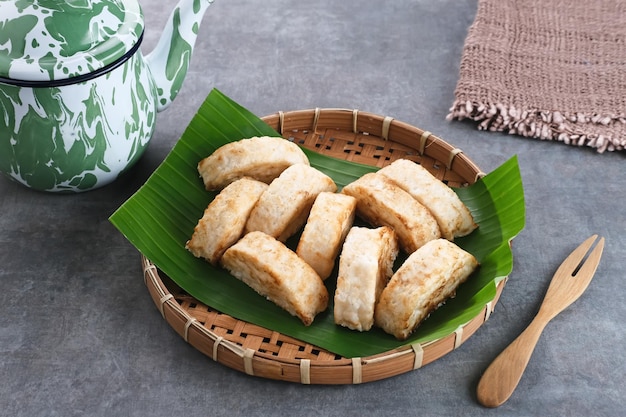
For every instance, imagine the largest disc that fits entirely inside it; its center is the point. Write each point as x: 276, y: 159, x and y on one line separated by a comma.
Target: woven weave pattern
x: 550, y: 69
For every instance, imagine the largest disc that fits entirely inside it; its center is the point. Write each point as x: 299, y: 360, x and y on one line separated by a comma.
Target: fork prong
x: 573, y: 276
x: 589, y: 266
x: 572, y: 262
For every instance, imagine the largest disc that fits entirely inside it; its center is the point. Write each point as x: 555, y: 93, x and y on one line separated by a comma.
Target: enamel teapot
x: 78, y: 100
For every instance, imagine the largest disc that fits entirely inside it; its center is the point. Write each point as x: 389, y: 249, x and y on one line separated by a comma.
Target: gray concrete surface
x: 79, y: 335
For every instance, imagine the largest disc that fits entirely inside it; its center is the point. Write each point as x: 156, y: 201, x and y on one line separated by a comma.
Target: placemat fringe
x: 538, y: 124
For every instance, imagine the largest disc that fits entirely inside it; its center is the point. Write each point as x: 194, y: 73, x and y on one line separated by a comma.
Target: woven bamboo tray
x: 355, y: 136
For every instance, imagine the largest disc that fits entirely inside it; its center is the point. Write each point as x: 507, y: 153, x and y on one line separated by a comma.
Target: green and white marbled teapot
x: 78, y: 101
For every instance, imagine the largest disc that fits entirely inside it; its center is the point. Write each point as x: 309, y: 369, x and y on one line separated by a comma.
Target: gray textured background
x: 79, y: 335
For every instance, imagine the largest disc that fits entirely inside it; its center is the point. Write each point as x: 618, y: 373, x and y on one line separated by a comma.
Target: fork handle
x: 501, y: 377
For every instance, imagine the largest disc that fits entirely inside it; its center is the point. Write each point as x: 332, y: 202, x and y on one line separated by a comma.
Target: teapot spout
x: 169, y: 60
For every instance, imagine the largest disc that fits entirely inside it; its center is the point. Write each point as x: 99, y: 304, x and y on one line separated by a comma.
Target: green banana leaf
x: 160, y: 217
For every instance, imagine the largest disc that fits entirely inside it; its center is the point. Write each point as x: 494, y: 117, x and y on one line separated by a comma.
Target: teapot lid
x: 53, y: 42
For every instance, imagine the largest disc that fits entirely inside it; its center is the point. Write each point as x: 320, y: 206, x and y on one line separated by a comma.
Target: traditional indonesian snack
x: 269, y: 192
x: 284, y: 207
x: 224, y: 219
x: 381, y: 202
x: 426, y: 279
x: 365, y: 266
x: 276, y: 272
x: 326, y: 228
x: 452, y: 215
x: 262, y: 158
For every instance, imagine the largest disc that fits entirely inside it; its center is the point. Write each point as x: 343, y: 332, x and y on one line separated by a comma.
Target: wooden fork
x: 569, y: 282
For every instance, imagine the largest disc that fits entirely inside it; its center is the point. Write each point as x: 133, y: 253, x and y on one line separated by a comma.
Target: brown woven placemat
x: 547, y: 69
